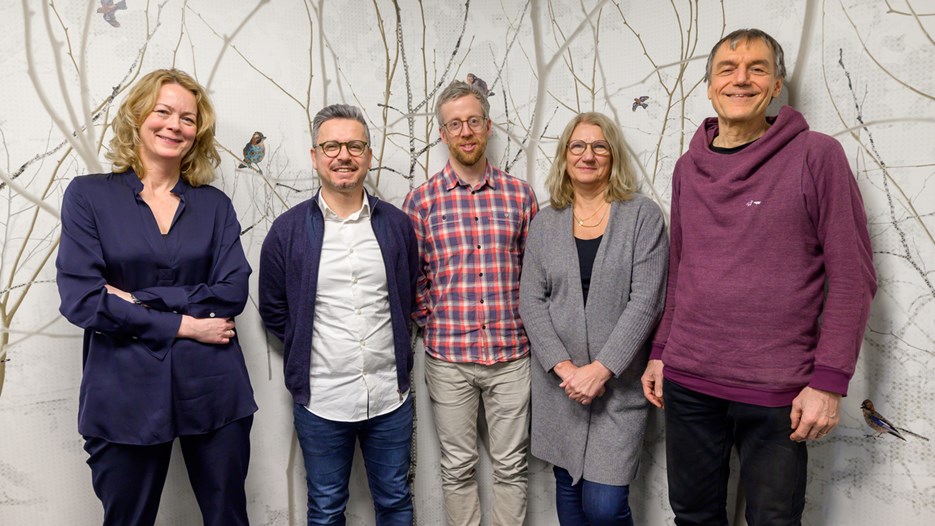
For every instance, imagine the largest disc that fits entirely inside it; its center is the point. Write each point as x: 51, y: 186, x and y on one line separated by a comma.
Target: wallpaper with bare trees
x: 859, y: 70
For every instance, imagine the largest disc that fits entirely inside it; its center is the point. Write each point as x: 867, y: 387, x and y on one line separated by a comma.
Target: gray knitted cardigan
x: 601, y: 442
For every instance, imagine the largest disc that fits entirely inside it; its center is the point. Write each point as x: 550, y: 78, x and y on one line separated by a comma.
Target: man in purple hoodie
x: 770, y: 282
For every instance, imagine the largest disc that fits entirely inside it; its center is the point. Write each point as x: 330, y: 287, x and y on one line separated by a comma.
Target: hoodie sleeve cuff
x: 831, y: 380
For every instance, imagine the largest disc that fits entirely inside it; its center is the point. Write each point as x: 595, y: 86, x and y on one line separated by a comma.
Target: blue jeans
x: 328, y: 449
x: 590, y: 503
x: 700, y: 432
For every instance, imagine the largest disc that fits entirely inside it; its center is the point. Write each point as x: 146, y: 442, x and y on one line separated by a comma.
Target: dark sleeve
x: 80, y: 275
x: 412, y: 249
x: 273, y: 304
x: 225, y: 293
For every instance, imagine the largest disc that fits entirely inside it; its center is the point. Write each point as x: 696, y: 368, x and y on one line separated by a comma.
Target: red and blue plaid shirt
x: 471, y: 243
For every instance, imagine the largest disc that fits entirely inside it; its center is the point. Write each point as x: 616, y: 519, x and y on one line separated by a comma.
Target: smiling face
x: 168, y: 132
x: 743, y: 82
x: 468, y: 146
x: 587, y: 170
x: 343, y: 173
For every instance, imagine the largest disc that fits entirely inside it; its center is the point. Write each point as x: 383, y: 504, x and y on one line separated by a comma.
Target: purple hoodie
x: 755, y: 237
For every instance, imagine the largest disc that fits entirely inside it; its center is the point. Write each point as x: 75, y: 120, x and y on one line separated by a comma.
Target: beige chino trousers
x: 456, y: 389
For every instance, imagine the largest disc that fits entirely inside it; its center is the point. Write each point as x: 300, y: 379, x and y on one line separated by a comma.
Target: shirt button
x: 478, y: 247
x: 359, y: 312
x: 211, y: 315
x: 481, y: 274
x: 484, y: 326
x: 476, y: 219
x: 481, y: 301
x: 175, y: 312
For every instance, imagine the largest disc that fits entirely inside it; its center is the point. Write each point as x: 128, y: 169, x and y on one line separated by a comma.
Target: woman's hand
x: 216, y: 331
x: 587, y: 382
x: 122, y: 294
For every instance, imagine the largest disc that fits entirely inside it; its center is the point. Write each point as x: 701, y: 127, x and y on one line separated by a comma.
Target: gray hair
x: 456, y: 90
x: 338, y: 111
x: 743, y: 35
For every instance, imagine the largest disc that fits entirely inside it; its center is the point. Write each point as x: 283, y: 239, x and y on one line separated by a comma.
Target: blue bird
x: 640, y: 102
x: 254, y: 151
x: 883, y: 426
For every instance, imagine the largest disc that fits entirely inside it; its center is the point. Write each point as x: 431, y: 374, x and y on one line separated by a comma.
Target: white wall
x: 861, y: 71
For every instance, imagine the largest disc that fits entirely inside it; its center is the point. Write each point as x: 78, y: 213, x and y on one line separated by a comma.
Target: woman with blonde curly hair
x: 151, y: 267
x: 591, y: 294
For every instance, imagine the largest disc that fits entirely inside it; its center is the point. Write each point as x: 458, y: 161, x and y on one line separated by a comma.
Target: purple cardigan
x: 289, y: 264
x: 755, y: 237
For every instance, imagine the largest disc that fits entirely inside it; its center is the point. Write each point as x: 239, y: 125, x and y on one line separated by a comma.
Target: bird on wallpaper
x: 640, y: 102
x: 479, y: 84
x: 254, y: 151
x: 108, y: 8
x: 883, y: 426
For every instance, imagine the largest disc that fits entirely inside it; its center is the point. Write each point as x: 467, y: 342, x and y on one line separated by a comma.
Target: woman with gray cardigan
x: 591, y: 293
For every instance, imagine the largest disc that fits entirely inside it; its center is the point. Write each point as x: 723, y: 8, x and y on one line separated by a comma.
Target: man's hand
x: 814, y: 414
x: 587, y: 382
x: 652, y: 383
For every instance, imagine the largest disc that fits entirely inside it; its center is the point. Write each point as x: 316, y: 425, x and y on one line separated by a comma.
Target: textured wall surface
x: 858, y: 70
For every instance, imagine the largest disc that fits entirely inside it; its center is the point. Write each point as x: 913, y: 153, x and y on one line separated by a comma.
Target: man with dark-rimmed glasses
x: 471, y: 221
x: 337, y: 285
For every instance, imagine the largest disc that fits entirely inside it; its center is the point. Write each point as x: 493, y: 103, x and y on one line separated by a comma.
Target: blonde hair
x: 622, y: 183
x: 199, y: 162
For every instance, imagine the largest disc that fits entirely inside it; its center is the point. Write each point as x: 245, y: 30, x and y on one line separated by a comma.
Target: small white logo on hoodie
x: 752, y: 202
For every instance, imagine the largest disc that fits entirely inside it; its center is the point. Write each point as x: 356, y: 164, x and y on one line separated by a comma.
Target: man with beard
x: 337, y: 285
x: 471, y: 221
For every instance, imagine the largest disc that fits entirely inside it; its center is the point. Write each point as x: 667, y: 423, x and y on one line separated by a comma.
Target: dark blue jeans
x: 700, y: 432
x: 328, y: 449
x: 590, y: 503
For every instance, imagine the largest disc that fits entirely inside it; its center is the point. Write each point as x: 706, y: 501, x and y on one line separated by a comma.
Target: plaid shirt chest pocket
x: 503, y: 229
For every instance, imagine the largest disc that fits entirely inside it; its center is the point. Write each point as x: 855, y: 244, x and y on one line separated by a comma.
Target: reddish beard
x: 469, y: 158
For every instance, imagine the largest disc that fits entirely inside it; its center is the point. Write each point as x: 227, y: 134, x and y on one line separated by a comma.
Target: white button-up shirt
x: 353, y: 362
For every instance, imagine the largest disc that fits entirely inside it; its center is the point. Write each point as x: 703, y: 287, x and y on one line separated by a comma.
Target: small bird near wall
x: 108, y: 9
x: 640, y: 102
x: 883, y: 426
x: 479, y: 84
x: 254, y: 152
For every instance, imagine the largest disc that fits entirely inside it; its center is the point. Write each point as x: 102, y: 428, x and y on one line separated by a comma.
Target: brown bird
x: 108, y: 8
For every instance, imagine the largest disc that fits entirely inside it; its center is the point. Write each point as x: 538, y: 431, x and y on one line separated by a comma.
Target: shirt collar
x: 491, y: 177
x: 330, y: 215
x: 133, y: 181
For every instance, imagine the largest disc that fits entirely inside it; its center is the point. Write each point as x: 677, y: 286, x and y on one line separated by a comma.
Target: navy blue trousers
x: 129, y: 479
x: 700, y: 432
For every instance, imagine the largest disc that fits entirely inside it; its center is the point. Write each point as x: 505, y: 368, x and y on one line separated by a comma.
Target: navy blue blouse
x: 141, y: 384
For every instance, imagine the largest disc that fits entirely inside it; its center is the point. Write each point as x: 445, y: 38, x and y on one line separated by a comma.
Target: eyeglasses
x: 476, y: 123
x: 333, y: 148
x: 599, y: 148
